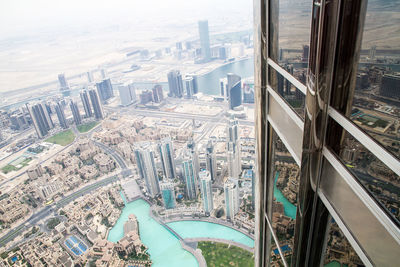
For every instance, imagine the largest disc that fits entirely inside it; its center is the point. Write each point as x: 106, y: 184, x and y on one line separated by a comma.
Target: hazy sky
x: 21, y: 16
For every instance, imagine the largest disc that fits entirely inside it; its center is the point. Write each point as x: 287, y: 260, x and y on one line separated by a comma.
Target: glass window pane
x: 338, y: 251
x: 293, y: 96
x: 376, y: 103
x: 294, y: 33
x: 379, y: 180
x: 286, y: 186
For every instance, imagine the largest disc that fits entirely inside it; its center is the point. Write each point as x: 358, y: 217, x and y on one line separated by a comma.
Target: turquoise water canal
x: 164, y: 248
x: 290, y: 209
x: 206, y: 229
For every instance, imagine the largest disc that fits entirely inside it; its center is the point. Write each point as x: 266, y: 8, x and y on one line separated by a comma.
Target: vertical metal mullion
x: 312, y: 214
x: 260, y: 47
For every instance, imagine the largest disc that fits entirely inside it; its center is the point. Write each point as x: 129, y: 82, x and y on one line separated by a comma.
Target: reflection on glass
x: 377, y: 178
x: 339, y: 252
x: 376, y: 104
x: 286, y: 187
x: 294, y: 33
x: 293, y: 96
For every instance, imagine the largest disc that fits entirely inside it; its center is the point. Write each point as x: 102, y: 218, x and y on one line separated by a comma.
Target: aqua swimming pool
x: 75, y: 245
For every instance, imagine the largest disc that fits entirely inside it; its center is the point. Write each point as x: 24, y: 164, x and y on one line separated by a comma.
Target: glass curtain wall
x: 327, y: 132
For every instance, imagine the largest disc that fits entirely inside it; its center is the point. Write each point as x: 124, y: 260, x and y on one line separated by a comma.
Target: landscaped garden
x: 16, y: 165
x: 220, y: 254
x: 62, y: 138
x: 87, y: 127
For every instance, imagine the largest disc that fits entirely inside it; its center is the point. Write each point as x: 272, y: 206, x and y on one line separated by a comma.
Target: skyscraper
x: 223, y: 87
x: 166, y: 151
x: 97, y: 107
x: 204, y: 40
x: 103, y: 73
x: 86, y: 103
x: 89, y: 75
x: 127, y: 94
x: 63, y: 82
x: 168, y: 195
x: 233, y: 160
x: 232, y: 130
x: 189, y: 86
x: 253, y: 186
x: 158, y: 94
x: 195, y: 84
x: 190, y: 175
x: 75, y: 112
x: 234, y: 88
x: 206, y: 191
x: 105, y: 89
x: 233, y: 149
x: 60, y: 115
x: 211, y: 162
x: 40, y: 118
x: 147, y: 168
x: 175, y: 84
x: 232, y: 201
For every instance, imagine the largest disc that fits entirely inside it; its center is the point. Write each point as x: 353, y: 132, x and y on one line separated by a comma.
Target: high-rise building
x: 167, y: 157
x: 179, y: 45
x: 190, y: 174
x: 103, y: 73
x: 189, y: 86
x: 86, y: 103
x: 18, y: 121
x: 222, y: 54
x: 211, y: 162
x: 188, y: 45
x: 206, y: 191
x: 89, y: 75
x: 234, y: 88
x: 195, y: 84
x: 60, y: 115
x: 168, y: 195
x: 146, y: 97
x: 63, y: 82
x: 232, y: 200
x: 147, y: 168
x: 253, y: 187
x: 97, y: 107
x: 232, y: 131
x: 40, y: 118
x: 204, y: 40
x: 192, y: 148
x: 248, y: 93
x: 233, y: 160
x: 175, y: 84
x: 390, y: 86
x: 223, y: 84
x: 105, y: 89
x: 233, y: 149
x: 158, y: 94
x: 75, y: 113
x: 127, y: 94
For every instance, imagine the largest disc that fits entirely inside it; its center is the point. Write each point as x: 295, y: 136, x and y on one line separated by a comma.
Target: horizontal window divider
x: 287, y: 76
x: 285, y: 142
x: 368, y: 142
x: 276, y: 240
x: 286, y: 107
x: 360, y: 252
x: 364, y: 196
